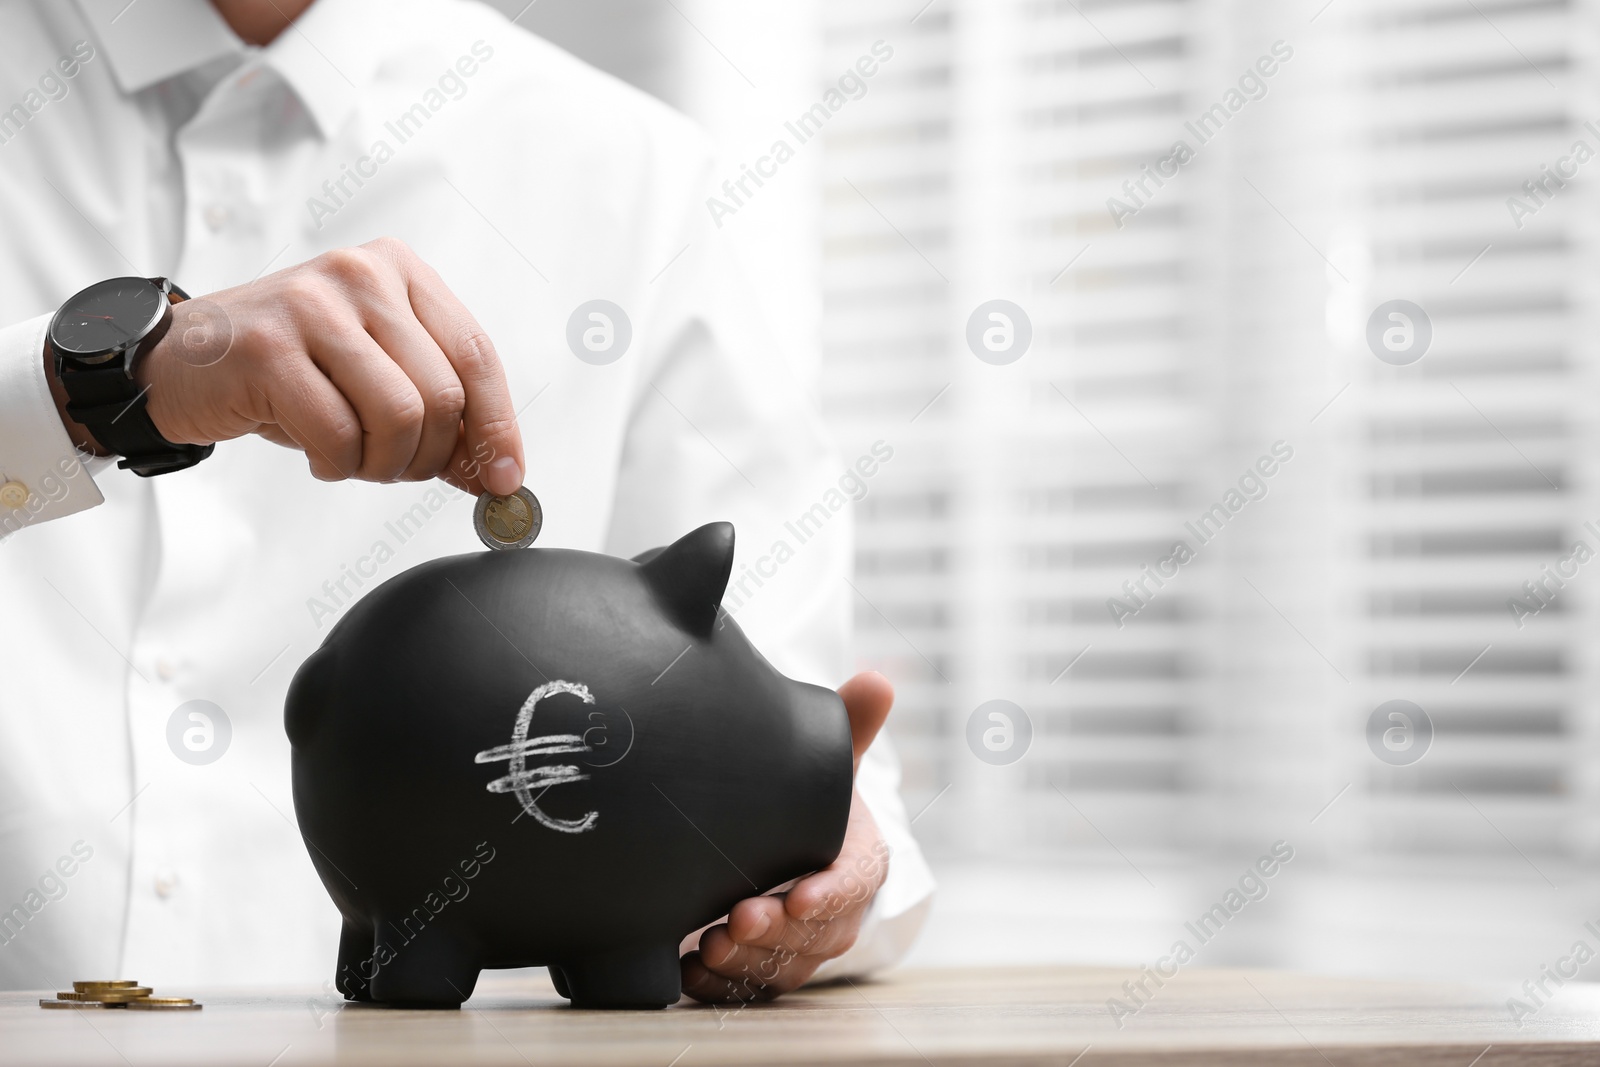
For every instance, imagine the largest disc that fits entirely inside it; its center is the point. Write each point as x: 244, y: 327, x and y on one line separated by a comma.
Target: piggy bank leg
x: 559, y: 980
x: 644, y: 977
x: 433, y: 970
x: 355, y: 962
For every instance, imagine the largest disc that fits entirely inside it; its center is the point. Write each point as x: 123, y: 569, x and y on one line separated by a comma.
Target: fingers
x: 851, y: 880
x: 773, y: 944
x: 867, y: 699
x: 405, y: 360
x: 761, y: 930
x: 387, y: 402
x: 773, y: 954
x: 416, y: 426
x: 492, y: 436
x: 761, y: 951
x: 308, y: 411
x: 769, y: 978
x: 465, y: 469
x: 442, y: 396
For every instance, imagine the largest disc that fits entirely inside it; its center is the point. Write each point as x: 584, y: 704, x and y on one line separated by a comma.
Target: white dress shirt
x: 146, y: 139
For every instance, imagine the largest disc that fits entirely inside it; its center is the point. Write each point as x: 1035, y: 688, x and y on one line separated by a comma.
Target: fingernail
x: 732, y: 948
x: 763, y: 924
x: 503, y: 477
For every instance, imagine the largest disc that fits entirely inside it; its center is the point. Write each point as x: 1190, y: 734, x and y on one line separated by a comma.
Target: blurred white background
x: 1228, y: 313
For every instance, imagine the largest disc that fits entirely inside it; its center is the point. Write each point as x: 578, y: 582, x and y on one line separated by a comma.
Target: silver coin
x: 508, y: 521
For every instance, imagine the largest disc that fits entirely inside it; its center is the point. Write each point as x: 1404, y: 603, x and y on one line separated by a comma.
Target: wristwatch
x: 97, y: 339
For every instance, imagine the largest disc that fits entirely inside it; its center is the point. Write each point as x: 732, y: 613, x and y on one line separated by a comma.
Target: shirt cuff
x: 42, y: 474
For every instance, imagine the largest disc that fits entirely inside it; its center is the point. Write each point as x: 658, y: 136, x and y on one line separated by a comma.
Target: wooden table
x: 987, y: 1017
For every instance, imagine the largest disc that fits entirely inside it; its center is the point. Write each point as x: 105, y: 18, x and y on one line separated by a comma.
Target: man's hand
x: 361, y: 358
x: 773, y: 944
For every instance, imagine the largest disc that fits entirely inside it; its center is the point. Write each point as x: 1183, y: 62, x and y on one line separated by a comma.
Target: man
x: 360, y: 196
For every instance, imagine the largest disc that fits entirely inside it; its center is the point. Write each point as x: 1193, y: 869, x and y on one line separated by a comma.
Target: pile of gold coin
x: 117, y: 994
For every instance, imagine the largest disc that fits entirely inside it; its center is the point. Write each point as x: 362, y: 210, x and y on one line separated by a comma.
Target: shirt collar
x: 329, y: 55
x: 152, y: 41
x: 326, y: 57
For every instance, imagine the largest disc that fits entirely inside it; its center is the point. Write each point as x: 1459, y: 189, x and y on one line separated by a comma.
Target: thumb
x: 867, y: 699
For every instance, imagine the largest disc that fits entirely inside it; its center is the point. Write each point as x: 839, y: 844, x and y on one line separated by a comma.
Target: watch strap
x: 100, y: 401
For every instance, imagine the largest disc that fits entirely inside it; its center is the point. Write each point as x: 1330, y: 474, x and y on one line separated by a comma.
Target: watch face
x: 107, y: 317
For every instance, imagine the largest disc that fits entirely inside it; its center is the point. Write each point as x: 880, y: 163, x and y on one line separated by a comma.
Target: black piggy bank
x: 558, y: 758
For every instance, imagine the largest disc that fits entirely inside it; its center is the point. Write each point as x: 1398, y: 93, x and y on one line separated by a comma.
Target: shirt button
x: 13, y: 494
x: 166, y: 882
x: 165, y: 669
x: 217, y: 217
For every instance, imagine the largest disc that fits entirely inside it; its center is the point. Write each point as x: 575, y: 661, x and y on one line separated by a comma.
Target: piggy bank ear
x: 690, y: 575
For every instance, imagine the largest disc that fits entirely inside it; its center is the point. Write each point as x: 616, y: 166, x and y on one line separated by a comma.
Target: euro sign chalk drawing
x: 523, y: 781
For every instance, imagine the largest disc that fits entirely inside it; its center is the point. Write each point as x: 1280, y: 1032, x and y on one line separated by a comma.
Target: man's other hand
x: 773, y: 944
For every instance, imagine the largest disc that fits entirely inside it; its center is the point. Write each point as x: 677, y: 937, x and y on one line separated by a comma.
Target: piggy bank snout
x: 823, y: 770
